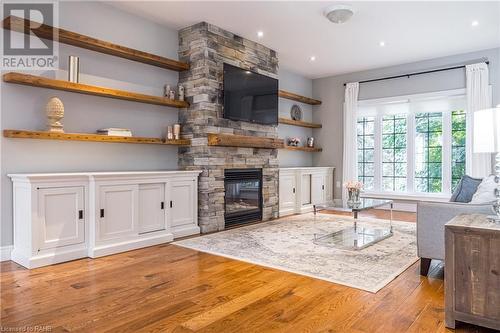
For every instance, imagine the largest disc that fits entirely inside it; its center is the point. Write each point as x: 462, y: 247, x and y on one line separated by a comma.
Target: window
x: 428, y: 152
x: 412, y: 144
x: 366, y: 149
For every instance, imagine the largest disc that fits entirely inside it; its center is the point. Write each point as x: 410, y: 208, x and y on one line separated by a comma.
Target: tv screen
x: 249, y: 96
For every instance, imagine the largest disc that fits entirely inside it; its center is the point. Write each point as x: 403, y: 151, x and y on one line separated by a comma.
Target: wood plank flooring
x: 167, y: 288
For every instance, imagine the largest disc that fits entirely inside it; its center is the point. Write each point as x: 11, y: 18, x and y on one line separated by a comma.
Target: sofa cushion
x: 486, y: 191
x: 465, y: 189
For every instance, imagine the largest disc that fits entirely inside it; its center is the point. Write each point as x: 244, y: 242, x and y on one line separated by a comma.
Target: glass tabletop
x: 365, y: 203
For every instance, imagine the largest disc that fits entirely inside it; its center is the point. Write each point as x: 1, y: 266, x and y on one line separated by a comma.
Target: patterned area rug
x: 287, y: 244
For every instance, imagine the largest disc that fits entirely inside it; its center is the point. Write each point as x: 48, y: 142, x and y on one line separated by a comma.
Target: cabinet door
x: 61, y: 216
x: 329, y: 186
x: 118, y: 211
x: 183, y: 207
x: 151, y: 207
x: 305, y: 190
x: 287, y: 192
x: 318, y: 188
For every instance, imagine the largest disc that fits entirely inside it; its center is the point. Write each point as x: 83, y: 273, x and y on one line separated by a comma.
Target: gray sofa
x: 431, y: 218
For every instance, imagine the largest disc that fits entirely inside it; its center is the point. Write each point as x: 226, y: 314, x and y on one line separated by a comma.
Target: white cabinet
x: 287, y: 192
x: 184, y: 207
x: 66, y: 216
x: 152, y: 215
x: 118, y: 211
x: 301, y: 188
x: 60, y: 217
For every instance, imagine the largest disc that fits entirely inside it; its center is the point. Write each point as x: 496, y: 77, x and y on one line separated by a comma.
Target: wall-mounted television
x: 249, y: 96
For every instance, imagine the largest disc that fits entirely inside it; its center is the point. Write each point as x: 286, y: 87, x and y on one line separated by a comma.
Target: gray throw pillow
x: 465, y: 189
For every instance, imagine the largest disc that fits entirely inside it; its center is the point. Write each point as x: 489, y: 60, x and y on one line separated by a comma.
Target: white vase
x: 55, y: 113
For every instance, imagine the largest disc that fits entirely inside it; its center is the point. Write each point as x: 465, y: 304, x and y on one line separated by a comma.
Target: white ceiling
x: 412, y: 31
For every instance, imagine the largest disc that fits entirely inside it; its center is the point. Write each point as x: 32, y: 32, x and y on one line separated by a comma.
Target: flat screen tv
x: 249, y: 96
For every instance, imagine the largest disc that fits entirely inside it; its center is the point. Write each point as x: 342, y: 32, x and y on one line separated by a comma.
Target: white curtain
x: 350, y: 160
x: 478, y: 98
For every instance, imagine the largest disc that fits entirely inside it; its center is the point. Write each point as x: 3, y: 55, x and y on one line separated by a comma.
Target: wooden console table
x: 472, y: 271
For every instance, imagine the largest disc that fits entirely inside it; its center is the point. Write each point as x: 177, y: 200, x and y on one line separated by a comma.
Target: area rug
x: 287, y: 244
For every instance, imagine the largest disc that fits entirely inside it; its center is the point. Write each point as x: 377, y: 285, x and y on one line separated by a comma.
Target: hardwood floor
x: 168, y: 288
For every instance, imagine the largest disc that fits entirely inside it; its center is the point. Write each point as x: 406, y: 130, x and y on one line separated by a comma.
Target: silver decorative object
x: 310, y: 142
x: 181, y: 93
x: 166, y: 90
x: 55, y: 113
x: 296, y: 112
x: 171, y: 94
x: 73, y: 69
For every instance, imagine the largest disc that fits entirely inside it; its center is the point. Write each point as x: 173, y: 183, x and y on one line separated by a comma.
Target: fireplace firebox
x: 243, y: 197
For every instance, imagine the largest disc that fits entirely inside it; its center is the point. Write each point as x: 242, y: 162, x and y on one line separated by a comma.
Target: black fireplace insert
x: 243, y: 197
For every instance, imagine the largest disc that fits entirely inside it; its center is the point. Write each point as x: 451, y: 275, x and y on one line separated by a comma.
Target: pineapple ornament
x: 55, y: 113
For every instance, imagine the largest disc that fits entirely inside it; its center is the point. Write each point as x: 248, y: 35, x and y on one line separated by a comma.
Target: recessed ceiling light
x: 381, y: 43
x: 312, y: 58
x: 474, y: 23
x: 260, y: 34
x: 248, y: 72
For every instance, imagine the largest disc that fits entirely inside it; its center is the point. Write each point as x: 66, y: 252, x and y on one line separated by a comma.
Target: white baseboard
x: 5, y: 252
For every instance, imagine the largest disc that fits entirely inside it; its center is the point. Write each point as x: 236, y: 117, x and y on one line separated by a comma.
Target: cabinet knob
x: 102, y: 212
x: 80, y: 214
x: 162, y: 205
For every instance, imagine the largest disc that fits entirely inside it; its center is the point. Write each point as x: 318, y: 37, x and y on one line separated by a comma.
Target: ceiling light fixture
x: 260, y: 34
x: 474, y: 23
x: 339, y: 13
x: 381, y: 43
x: 312, y: 58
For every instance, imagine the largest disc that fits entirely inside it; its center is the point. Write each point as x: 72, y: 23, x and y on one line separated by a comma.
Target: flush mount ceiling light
x: 260, y: 34
x: 312, y: 58
x: 339, y: 13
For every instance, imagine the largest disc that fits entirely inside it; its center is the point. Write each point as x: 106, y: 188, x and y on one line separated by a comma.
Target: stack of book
x: 115, y: 131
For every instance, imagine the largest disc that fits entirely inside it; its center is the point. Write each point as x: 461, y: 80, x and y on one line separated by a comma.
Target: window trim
x: 446, y: 160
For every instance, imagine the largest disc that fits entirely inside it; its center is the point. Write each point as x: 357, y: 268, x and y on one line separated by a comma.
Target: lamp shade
x: 487, y: 130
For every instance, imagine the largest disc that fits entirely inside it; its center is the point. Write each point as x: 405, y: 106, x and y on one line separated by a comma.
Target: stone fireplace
x: 206, y: 48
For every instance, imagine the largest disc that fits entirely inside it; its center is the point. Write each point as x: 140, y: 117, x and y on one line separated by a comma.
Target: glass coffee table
x: 356, y: 237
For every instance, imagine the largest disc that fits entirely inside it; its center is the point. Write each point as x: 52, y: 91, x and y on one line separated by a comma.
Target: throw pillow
x: 465, y: 189
x: 486, y: 191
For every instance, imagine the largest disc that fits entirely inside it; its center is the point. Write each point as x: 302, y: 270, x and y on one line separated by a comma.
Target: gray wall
x: 330, y: 91
x: 300, y: 85
x: 23, y: 107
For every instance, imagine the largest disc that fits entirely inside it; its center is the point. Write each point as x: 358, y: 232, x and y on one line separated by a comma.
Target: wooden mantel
x: 227, y: 140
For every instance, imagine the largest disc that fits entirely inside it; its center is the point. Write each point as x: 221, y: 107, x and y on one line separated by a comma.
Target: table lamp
x: 487, y: 140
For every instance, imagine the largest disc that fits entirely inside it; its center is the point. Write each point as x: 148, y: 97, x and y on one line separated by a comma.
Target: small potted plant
x: 354, y: 188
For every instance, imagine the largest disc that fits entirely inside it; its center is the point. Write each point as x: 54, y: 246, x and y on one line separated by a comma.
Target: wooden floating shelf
x: 43, y: 82
x: 227, y: 140
x: 75, y: 39
x: 298, y: 98
x: 307, y: 149
x: 22, y: 134
x: 298, y: 123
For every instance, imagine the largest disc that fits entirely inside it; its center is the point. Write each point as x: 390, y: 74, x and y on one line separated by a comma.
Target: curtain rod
x: 413, y: 74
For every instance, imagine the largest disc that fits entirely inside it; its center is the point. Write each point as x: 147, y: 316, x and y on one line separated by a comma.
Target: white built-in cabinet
x: 301, y: 188
x: 61, y: 217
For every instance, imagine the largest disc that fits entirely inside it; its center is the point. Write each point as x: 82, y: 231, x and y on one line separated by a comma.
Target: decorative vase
x: 55, y: 113
x: 170, y: 133
x: 177, y: 131
x: 74, y: 69
x: 181, y: 93
x: 353, y: 196
x: 310, y: 142
x: 171, y: 94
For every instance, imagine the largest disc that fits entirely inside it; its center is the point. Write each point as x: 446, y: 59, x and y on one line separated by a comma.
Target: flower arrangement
x: 353, y: 190
x: 353, y: 184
